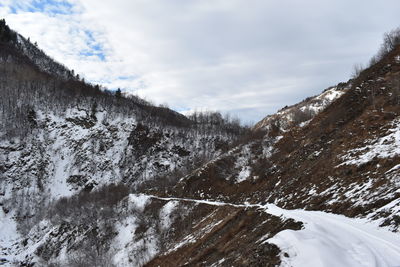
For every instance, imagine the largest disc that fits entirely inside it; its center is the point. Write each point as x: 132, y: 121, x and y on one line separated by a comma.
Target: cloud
x: 248, y: 58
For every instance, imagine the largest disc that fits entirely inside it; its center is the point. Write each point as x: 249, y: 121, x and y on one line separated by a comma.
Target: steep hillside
x: 61, y: 137
x: 91, y: 178
x: 20, y: 45
x: 300, y: 114
x: 344, y: 160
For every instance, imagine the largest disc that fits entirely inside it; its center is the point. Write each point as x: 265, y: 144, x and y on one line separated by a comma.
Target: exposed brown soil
x: 307, y: 158
x: 303, y: 171
x: 229, y: 233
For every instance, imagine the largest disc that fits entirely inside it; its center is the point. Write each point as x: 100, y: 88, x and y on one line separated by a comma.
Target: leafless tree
x: 357, y: 69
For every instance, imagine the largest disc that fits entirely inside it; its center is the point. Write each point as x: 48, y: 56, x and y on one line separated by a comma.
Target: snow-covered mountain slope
x: 70, y: 151
x: 301, y: 113
x: 41, y: 60
x: 77, y: 150
x: 143, y: 229
x: 80, y: 150
x: 22, y: 47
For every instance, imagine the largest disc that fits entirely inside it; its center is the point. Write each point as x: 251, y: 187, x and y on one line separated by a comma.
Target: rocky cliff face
x: 79, y: 151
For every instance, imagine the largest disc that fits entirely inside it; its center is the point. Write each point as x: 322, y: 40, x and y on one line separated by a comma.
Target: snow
x: 242, y: 161
x: 394, y: 168
x: 201, y: 201
x: 331, y: 94
x: 187, y: 240
x: 10, y: 240
x: 126, y: 231
x: 8, y: 233
x: 331, y: 240
x: 99, y: 153
x: 244, y: 174
x: 139, y: 201
x: 304, y: 123
x: 218, y: 263
x: 131, y: 251
x: 59, y: 185
x: 384, y: 147
x: 312, y: 191
x: 313, y: 106
x: 395, y: 204
x: 166, y: 212
x: 192, y: 238
x: 327, y: 239
x: 323, y: 100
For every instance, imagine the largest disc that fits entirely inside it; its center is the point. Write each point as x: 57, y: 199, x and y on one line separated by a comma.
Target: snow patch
x: 384, y: 147
x: 139, y: 201
x: 166, y: 212
x: 130, y: 251
x: 8, y: 234
x: 331, y: 94
x: 244, y: 174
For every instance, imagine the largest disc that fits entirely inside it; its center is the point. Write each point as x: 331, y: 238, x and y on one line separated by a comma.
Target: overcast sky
x: 245, y: 57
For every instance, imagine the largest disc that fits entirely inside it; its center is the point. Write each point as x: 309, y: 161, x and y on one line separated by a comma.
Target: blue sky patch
x: 180, y: 109
x: 95, y: 48
x: 51, y: 7
x: 130, y: 77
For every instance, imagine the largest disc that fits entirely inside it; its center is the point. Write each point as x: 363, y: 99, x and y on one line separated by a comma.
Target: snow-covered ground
x: 8, y: 233
x: 327, y: 240
x: 331, y: 240
x: 387, y: 146
x: 312, y: 107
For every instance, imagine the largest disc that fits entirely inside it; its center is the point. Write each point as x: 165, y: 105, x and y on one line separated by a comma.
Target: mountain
x: 92, y: 178
x: 61, y: 136
x: 301, y: 113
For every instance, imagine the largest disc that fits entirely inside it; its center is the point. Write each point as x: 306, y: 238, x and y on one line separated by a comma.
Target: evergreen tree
x: 6, y: 35
x: 118, y: 93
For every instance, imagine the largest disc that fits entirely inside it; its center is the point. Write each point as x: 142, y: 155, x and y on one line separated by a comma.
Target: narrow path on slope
x: 207, y: 202
x: 327, y: 240
x: 332, y: 240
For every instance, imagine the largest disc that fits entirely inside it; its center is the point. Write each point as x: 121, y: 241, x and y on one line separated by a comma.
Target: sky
x: 248, y: 58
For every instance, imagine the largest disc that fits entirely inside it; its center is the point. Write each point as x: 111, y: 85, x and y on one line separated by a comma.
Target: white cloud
x: 247, y: 57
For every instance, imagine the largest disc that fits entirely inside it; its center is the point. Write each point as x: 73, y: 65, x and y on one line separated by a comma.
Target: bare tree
x: 357, y: 69
x: 391, y: 39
